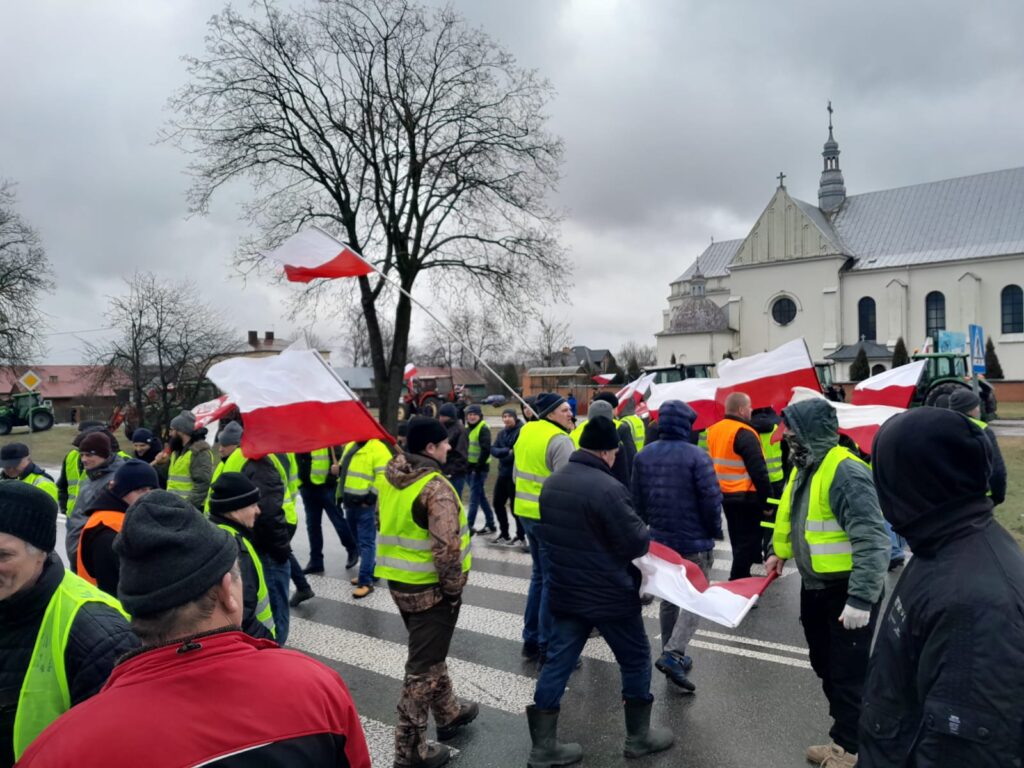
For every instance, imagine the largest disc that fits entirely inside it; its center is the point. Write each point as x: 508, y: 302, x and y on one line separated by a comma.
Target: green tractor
x: 25, y: 409
x: 666, y: 374
x: 946, y: 372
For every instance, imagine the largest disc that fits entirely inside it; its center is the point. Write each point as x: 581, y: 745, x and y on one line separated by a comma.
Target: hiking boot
x: 352, y: 562
x: 501, y: 540
x: 362, y: 591
x: 547, y: 751
x: 486, y: 530
x: 301, y: 596
x: 468, y: 710
x: 641, y: 739
x: 314, y: 568
x: 437, y: 755
x: 819, y: 753
x: 674, y: 669
x: 845, y: 760
x: 531, y: 651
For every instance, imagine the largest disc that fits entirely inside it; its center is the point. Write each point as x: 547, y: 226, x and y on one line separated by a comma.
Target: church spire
x: 832, y: 189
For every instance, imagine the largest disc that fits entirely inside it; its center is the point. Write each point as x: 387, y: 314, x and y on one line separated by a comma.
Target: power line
x: 88, y: 330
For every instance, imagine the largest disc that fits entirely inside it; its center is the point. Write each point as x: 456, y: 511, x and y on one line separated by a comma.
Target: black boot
x: 547, y: 752
x: 641, y: 739
x: 468, y: 710
x: 437, y: 755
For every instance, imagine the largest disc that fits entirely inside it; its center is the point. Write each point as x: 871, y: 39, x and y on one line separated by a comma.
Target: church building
x: 860, y: 271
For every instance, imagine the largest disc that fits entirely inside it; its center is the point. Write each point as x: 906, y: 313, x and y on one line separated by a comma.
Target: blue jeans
x: 278, y: 577
x: 295, y: 571
x: 897, y: 542
x: 537, y: 619
x: 363, y: 521
x: 626, y: 637
x: 317, y: 499
x: 458, y: 483
x: 478, y: 498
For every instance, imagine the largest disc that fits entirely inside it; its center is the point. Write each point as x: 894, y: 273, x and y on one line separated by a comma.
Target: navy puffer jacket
x: 674, y: 485
x: 590, y: 535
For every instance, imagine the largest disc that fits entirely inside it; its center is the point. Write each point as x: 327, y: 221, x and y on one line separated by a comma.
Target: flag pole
x: 433, y: 317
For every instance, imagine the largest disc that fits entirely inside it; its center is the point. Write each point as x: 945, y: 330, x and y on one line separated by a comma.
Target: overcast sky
x: 677, y: 117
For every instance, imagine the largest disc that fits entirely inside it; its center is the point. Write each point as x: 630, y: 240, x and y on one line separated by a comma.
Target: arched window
x: 1012, y: 300
x: 784, y: 310
x: 934, y: 315
x: 866, y: 319
x: 877, y: 368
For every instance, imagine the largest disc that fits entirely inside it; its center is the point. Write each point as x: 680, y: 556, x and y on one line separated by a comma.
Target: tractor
x: 945, y: 373
x: 666, y: 374
x: 425, y: 397
x: 25, y: 409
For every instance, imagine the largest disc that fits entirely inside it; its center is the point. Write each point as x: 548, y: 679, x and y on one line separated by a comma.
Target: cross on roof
x: 782, y: 179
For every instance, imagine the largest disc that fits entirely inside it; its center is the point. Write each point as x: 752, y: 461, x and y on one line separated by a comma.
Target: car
x: 494, y: 400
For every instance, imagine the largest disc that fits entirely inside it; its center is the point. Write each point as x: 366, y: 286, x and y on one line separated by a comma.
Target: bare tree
x: 25, y: 274
x: 549, y: 339
x: 409, y: 134
x: 479, y: 330
x: 166, y: 341
x: 357, y: 339
x: 635, y: 356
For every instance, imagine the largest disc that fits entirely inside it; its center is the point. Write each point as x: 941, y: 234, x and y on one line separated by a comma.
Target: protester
x: 146, y: 445
x: 675, y: 491
x: 46, y: 666
x: 360, y: 476
x: 570, y: 398
x: 423, y: 552
x: 200, y: 692
x: 543, y: 447
x: 505, y: 484
x: 944, y: 682
x: 830, y: 523
x: 636, y: 425
x: 71, y: 469
x: 623, y: 467
x: 318, y: 482
x: 965, y: 401
x: 100, y: 462
x: 478, y: 461
x: 16, y: 464
x: 590, y: 536
x: 97, y: 563
x: 735, y: 449
x: 190, y: 463
x: 457, y: 464
x: 766, y: 423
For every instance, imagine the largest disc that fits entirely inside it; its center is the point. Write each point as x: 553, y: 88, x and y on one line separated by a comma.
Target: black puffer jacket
x: 946, y: 677
x: 591, y: 535
x: 99, y: 636
x: 272, y: 535
x: 251, y: 625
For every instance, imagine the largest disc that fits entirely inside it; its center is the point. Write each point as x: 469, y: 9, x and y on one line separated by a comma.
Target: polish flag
x: 603, y: 378
x: 671, y: 577
x: 313, y: 253
x: 212, y: 410
x: 858, y: 422
x: 410, y: 372
x: 894, y: 387
x: 699, y: 394
x: 768, y: 377
x: 293, y: 402
x: 635, y: 390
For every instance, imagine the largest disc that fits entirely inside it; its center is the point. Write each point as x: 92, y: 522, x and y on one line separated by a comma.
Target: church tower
x: 832, y: 189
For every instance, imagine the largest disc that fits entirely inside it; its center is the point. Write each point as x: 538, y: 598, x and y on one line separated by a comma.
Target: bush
x: 899, y: 354
x: 993, y: 370
x: 859, y: 369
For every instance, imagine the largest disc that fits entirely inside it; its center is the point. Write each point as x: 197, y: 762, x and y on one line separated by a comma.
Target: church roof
x: 698, y: 314
x: 714, y: 262
x: 848, y: 352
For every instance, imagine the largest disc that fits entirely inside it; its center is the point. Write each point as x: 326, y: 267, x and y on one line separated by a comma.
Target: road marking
x: 380, y: 738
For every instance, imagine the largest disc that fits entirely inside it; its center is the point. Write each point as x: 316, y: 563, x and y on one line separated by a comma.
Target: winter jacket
x: 622, y: 469
x: 484, y: 464
x: 457, y: 463
x: 675, y: 490
x: 224, y: 700
x: 89, y: 487
x: 501, y: 449
x: 748, y: 447
x: 765, y: 424
x: 853, y: 501
x: 590, y: 536
x: 945, y: 681
x: 997, y: 479
x: 271, y: 535
x: 200, y: 472
x: 97, y: 543
x: 99, y: 636
x: 250, y: 579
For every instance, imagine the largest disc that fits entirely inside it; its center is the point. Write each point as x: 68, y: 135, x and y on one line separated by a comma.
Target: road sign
x: 977, y: 348
x: 954, y: 342
x: 30, y: 381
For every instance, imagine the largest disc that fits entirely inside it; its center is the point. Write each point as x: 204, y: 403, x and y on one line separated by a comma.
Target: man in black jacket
x: 505, y: 485
x: 945, y: 679
x: 457, y: 465
x: 591, y: 535
x: 31, y: 574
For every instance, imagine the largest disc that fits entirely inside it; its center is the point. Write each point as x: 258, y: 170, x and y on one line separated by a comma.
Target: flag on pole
x: 313, y: 253
x: 635, y: 390
x: 894, y: 387
x: 410, y: 372
x: 212, y: 410
x: 603, y: 378
x: 768, y: 377
x: 858, y: 422
x: 699, y: 394
x: 672, y: 577
x: 293, y: 402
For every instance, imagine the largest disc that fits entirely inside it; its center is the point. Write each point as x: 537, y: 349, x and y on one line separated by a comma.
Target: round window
x: 784, y: 310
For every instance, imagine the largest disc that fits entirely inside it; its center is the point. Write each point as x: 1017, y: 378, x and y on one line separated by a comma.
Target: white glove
x: 854, y: 618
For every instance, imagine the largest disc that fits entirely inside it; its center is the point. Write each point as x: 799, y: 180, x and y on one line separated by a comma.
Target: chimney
x: 268, y: 336
x: 254, y: 338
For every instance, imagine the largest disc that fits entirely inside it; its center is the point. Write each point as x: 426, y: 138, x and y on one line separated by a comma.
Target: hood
x: 931, y: 468
x: 764, y: 422
x: 406, y: 468
x: 675, y: 420
x: 815, y: 424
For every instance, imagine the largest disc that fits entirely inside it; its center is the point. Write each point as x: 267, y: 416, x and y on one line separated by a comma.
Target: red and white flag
x: 603, y: 378
x: 212, y: 410
x: 893, y: 387
x: 769, y: 377
x: 313, y: 253
x: 858, y: 422
x: 699, y: 394
x: 671, y: 577
x: 293, y: 402
x: 635, y: 390
x: 410, y: 372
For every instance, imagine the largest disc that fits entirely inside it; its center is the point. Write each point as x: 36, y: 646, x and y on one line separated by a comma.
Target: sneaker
x: 301, y: 596
x: 501, y: 540
x: 362, y: 591
x: 672, y: 667
x: 821, y: 754
x: 314, y: 568
x: 844, y: 760
x: 352, y: 562
x: 487, y: 529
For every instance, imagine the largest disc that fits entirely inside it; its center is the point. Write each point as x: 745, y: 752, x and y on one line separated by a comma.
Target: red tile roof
x: 59, y: 381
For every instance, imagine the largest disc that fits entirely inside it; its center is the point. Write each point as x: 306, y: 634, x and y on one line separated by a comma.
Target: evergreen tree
x: 510, y: 373
x: 993, y: 370
x: 899, y: 354
x: 673, y: 360
x: 859, y: 369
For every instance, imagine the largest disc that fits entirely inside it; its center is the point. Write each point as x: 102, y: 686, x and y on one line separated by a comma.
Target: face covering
x: 798, y: 453
x: 177, y: 444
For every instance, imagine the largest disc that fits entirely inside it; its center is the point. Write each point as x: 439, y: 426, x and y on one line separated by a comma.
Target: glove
x: 454, y: 601
x: 854, y: 618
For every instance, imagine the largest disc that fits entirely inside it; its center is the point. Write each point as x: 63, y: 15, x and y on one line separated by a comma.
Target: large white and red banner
x: 768, y: 377
x: 212, y: 410
x: 635, y: 390
x: 313, y: 253
x: 293, y: 402
x: 894, y: 387
x: 858, y: 422
x: 671, y: 577
x: 699, y: 394
x: 603, y: 378
x: 410, y: 372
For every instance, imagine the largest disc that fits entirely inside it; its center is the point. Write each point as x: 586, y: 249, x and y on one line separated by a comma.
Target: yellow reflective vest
x: 263, y: 613
x: 577, y: 433
x: 364, y: 477
x: 531, y: 465
x: 179, y: 474
x: 474, y: 444
x: 233, y: 463
x: 42, y: 482
x: 319, y: 465
x: 772, y: 456
x: 636, y: 426
x: 73, y: 475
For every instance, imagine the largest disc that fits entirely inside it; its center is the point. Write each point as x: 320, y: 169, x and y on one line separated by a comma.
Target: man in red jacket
x: 200, y: 691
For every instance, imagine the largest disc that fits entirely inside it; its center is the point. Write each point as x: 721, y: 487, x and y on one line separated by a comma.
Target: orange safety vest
x: 729, y: 467
x: 109, y: 518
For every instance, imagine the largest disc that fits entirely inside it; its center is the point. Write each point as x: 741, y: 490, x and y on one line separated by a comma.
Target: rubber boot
x: 547, y: 752
x: 641, y: 739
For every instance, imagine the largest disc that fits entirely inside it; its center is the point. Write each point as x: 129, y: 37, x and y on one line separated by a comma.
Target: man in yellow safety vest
x: 190, y: 463
x: 360, y: 471
x: 16, y: 464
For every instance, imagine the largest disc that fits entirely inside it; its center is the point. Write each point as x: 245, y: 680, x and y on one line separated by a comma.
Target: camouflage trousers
x: 427, y: 687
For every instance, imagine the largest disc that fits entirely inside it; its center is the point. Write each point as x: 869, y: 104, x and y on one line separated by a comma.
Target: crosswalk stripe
x: 380, y: 739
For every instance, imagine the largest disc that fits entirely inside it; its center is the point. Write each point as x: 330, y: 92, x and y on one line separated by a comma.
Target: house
x: 81, y: 387
x: 360, y: 380
x: 268, y: 345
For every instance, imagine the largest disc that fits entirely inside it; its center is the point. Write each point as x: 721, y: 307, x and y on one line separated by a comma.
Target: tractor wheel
x: 404, y: 412
x: 431, y: 407
x: 41, y: 421
x: 5, y: 427
x: 945, y: 388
